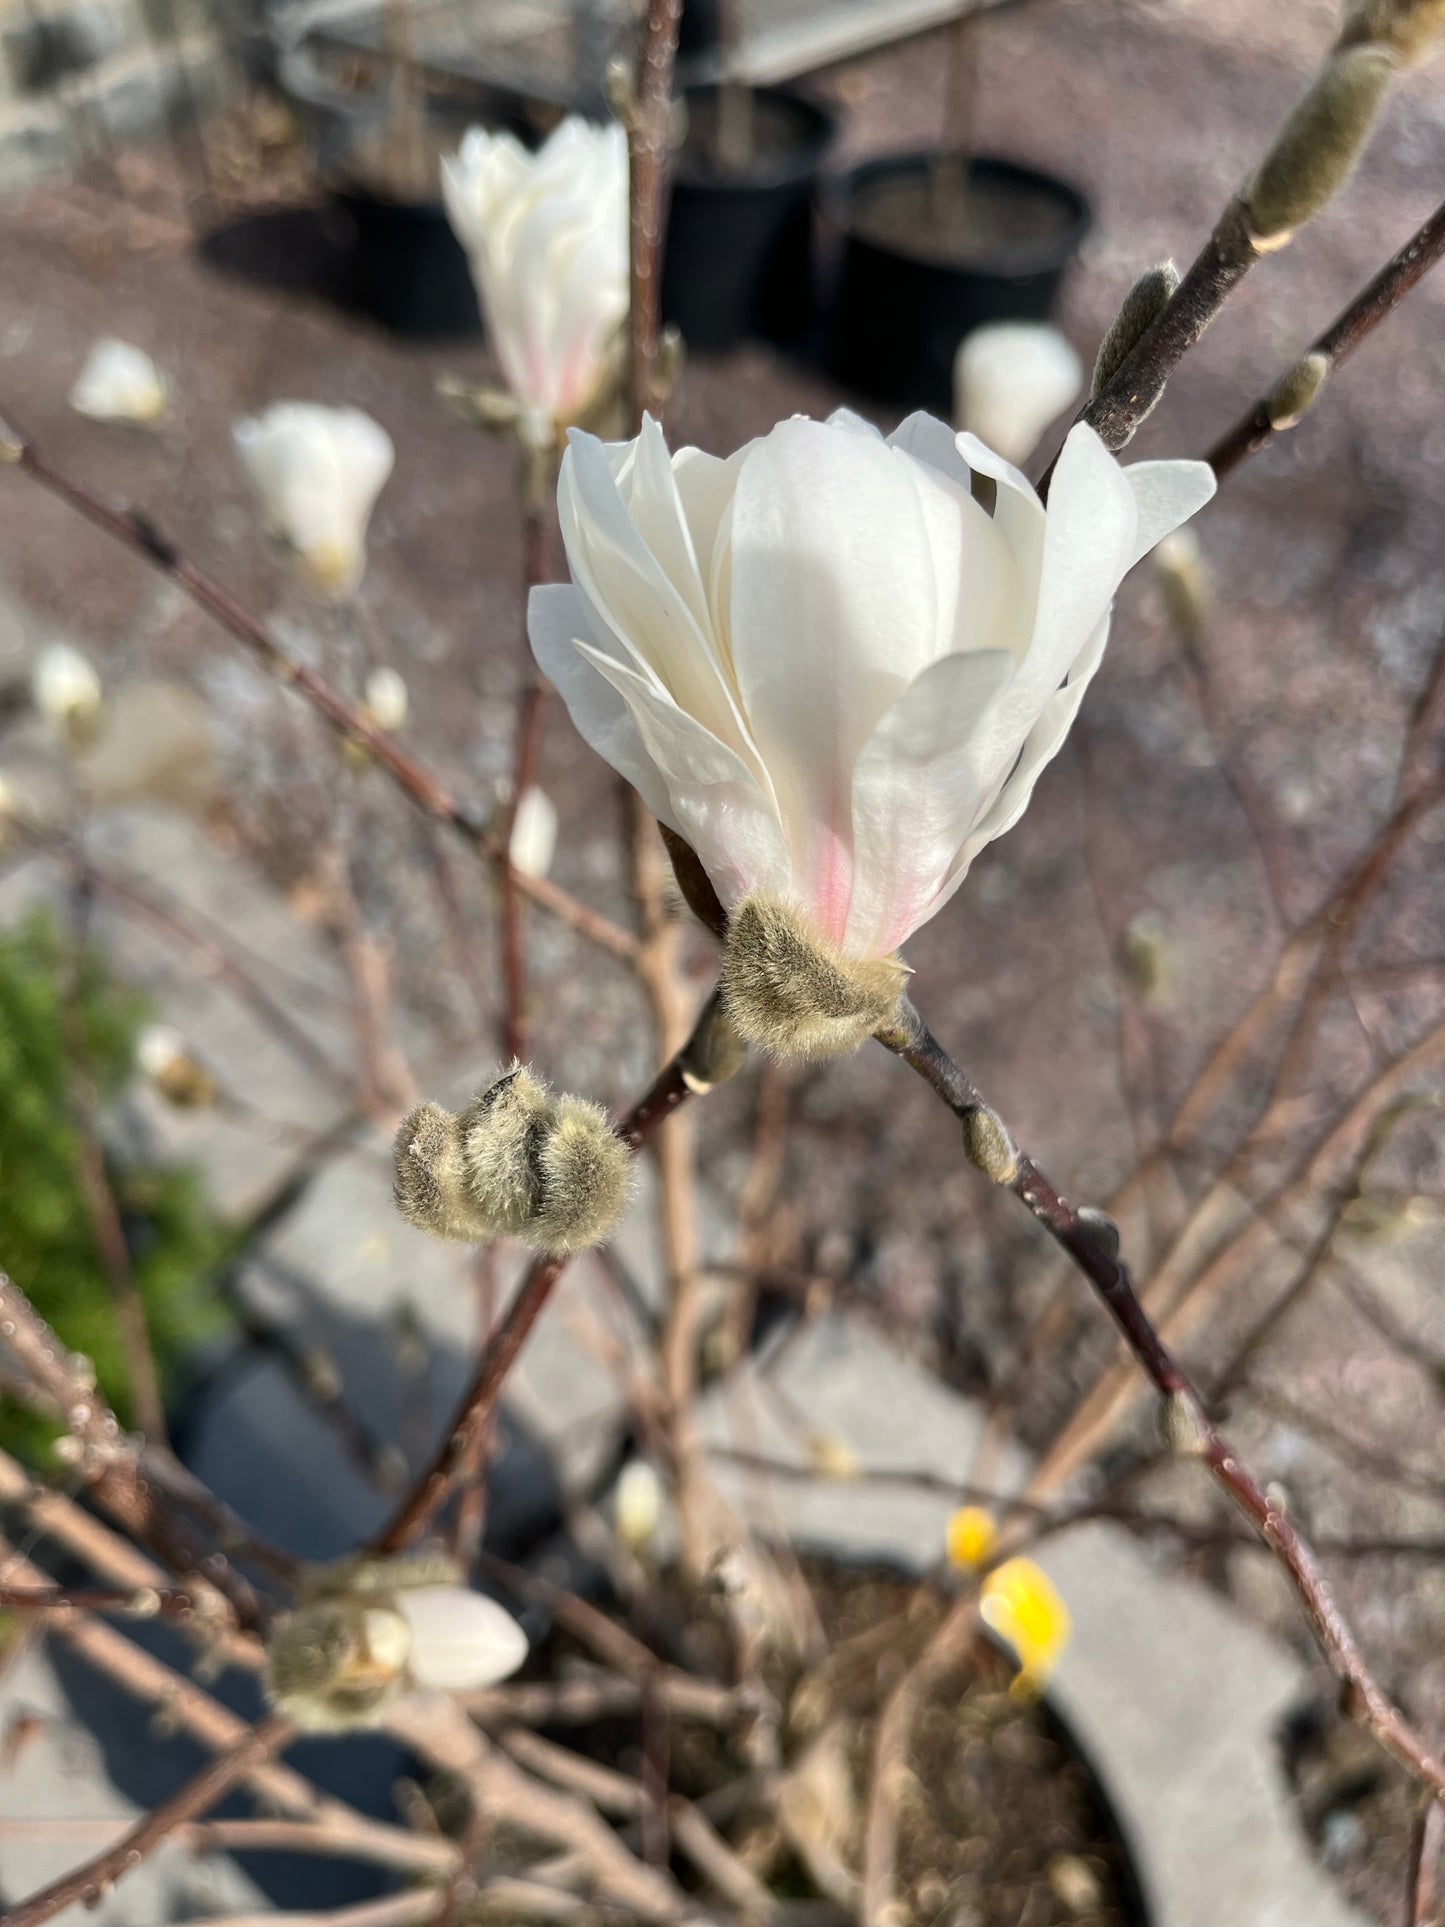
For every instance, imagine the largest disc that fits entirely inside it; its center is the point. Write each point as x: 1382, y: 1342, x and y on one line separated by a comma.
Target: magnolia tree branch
x: 421, y: 788
x: 89, y: 1882
x: 1089, y: 1244
x: 649, y: 116
x: 669, y: 1090
x: 1258, y: 426
x: 526, y: 755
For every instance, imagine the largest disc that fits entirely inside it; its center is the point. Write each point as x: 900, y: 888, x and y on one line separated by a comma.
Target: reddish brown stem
x: 1254, y: 429
x: 1361, y: 1693
x: 647, y: 158
x: 525, y: 758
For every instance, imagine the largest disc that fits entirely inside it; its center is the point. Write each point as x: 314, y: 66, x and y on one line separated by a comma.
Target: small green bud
x: 989, y: 1145
x: 1181, y: 1425
x: 1143, y: 305
x: 1184, y: 579
x: 714, y: 1053
x: 1316, y: 150
x: 794, y: 994
x: 1297, y: 391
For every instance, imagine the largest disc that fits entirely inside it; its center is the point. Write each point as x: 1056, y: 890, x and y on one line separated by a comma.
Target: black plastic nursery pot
x: 924, y: 262
x: 739, y: 256
x: 407, y: 269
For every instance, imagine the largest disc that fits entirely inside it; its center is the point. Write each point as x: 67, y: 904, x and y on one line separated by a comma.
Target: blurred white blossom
x: 546, y: 235
x: 67, y: 692
x: 534, y: 833
x: 638, y: 1506
x: 386, y: 698
x: 459, y: 1639
x: 1010, y: 380
x: 318, y: 472
x: 119, y: 383
x: 823, y: 664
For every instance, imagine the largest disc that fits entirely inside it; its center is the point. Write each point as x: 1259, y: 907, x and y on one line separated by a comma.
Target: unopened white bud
x: 67, y: 693
x: 386, y: 699
x: 459, y: 1640
x: 534, y: 833
x: 1010, y: 379
x: 638, y: 1507
x: 119, y: 383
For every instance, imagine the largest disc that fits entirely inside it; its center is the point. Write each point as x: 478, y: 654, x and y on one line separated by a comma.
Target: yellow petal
x: 970, y: 1536
x: 1019, y: 1603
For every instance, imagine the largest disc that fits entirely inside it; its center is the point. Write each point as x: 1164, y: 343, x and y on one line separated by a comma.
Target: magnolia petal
x: 556, y: 623
x: 628, y: 589
x: 716, y: 805
x: 460, y: 1640
x: 929, y: 440
x: 1166, y: 495
x: 915, y: 795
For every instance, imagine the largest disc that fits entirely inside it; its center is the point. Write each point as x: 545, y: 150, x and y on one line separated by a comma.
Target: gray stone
x: 36, y: 144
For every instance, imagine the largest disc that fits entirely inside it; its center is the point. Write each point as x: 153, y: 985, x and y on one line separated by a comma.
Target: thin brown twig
x: 1425, y: 1901
x: 88, y: 1882
x: 526, y: 755
x: 1362, y: 1695
x: 1255, y: 429
x: 422, y: 788
x: 647, y: 140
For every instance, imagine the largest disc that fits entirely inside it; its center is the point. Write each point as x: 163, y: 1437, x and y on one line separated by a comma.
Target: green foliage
x: 47, y: 1242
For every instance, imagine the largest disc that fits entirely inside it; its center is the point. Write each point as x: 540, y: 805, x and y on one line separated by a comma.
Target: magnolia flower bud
x: 936, y: 654
x: 518, y: 1162
x: 1297, y: 390
x: 67, y: 694
x: 367, y: 1630
x: 1184, y: 579
x: 534, y: 833
x: 791, y: 992
x: 161, y: 1055
x: 1409, y: 29
x: 637, y: 1507
x: 1181, y: 1425
x: 1010, y: 380
x: 118, y: 383
x: 318, y: 472
x: 1316, y: 150
x: 546, y: 236
x: 989, y: 1146
x: 386, y: 699
x: 1143, y: 305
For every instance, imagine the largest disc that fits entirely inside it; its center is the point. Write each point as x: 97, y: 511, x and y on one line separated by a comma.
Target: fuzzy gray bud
x: 794, y: 994
x: 1101, y: 1228
x: 1143, y: 305
x: 1181, y: 1425
x: 518, y: 1162
x: 1297, y: 391
x: 989, y: 1145
x: 1317, y: 149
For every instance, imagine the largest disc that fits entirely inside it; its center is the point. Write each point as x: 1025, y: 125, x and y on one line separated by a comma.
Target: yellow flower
x: 1020, y: 1604
x: 970, y: 1536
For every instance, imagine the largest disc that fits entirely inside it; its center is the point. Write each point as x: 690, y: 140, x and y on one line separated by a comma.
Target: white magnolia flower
x: 1010, y: 380
x: 459, y: 1639
x: 159, y: 1048
x: 534, y: 833
x: 546, y: 235
x: 386, y: 698
x: 67, y: 691
x: 318, y: 472
x: 119, y: 383
x: 823, y: 664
